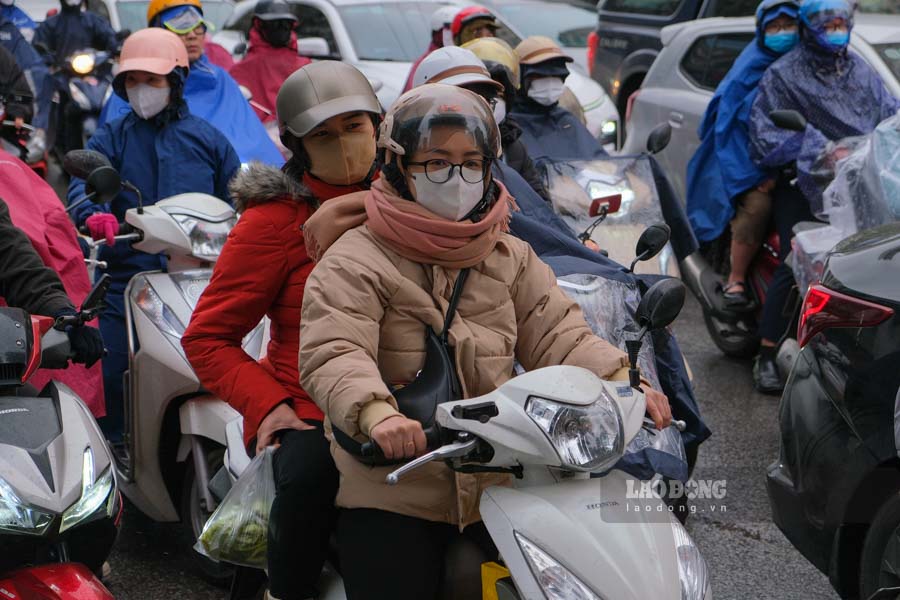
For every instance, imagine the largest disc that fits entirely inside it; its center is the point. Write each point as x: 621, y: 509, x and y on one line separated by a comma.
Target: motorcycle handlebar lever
x: 454, y: 450
x: 651, y: 426
x: 371, y: 450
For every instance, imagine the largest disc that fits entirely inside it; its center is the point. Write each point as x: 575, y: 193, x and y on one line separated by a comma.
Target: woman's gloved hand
x: 103, y: 226
x: 87, y: 344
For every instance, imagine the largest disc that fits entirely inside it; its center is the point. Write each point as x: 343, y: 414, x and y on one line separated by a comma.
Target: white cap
x: 442, y: 17
x: 453, y: 66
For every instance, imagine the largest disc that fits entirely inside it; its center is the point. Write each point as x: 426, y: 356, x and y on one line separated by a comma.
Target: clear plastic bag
x: 237, y: 532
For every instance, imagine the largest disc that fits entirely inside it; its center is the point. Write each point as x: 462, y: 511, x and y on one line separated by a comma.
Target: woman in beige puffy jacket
x: 387, y: 263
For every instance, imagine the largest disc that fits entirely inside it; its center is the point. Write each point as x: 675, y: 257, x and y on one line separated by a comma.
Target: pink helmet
x: 154, y: 50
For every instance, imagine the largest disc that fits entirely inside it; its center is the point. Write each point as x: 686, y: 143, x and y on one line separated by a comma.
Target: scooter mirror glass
x: 105, y: 182
x: 661, y: 304
x: 80, y: 163
x: 659, y: 138
x: 652, y: 241
x: 96, y: 299
x: 788, y: 119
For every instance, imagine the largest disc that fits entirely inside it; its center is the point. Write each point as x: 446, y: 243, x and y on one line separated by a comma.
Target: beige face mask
x: 342, y: 160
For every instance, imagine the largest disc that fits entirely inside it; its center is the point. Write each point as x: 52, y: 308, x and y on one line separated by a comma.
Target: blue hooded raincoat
x: 837, y: 92
x: 214, y: 96
x: 31, y: 62
x: 721, y: 169
x: 20, y: 19
x: 73, y: 29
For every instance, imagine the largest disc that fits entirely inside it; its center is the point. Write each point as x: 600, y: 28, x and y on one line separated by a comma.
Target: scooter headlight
x: 692, y: 570
x: 587, y: 438
x: 207, y: 238
x: 143, y: 295
x: 557, y: 582
x: 82, y: 63
x: 96, y: 495
x: 18, y: 517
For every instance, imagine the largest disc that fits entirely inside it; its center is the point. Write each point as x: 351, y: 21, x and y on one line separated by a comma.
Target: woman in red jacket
x: 327, y: 116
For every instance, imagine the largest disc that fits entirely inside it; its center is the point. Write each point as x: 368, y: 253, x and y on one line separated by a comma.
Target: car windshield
x: 133, y: 15
x: 396, y: 31
x: 890, y: 53
x: 570, y: 25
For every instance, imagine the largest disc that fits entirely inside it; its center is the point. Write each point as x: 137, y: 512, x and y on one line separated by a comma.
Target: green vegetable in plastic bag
x: 237, y: 532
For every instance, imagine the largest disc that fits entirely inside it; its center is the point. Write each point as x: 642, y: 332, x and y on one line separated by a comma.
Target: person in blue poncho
x: 163, y: 150
x: 33, y: 65
x: 723, y: 183
x: 549, y: 131
x: 19, y: 18
x: 840, y: 96
x: 210, y: 91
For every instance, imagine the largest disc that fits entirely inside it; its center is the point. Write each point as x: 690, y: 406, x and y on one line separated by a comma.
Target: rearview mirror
x: 240, y: 49
x: 313, y: 47
x: 659, y: 138
x: 606, y: 205
x: 651, y: 243
x: 96, y: 299
x: 788, y: 119
x: 661, y: 304
x: 122, y: 35
x: 80, y: 163
x: 104, y: 183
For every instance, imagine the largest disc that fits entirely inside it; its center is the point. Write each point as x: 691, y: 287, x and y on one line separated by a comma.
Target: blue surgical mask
x: 781, y: 42
x: 838, y: 39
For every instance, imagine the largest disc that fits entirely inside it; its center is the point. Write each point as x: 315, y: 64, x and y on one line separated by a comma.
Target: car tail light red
x: 593, y: 42
x: 824, y: 308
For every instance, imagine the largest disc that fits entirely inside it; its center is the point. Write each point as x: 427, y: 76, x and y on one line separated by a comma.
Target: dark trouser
x: 115, y: 363
x: 388, y: 555
x: 303, y: 513
x: 789, y: 207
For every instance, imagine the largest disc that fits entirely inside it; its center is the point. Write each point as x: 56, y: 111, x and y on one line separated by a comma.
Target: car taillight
x: 629, y: 106
x: 593, y: 42
x: 824, y: 308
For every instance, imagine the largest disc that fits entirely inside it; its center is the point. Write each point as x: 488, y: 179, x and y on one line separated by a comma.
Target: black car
x: 627, y: 38
x: 835, y: 488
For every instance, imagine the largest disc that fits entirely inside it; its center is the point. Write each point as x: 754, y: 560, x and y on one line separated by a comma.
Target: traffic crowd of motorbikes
x: 406, y: 351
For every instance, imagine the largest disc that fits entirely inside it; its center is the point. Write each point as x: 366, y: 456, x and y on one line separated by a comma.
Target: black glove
x: 87, y: 345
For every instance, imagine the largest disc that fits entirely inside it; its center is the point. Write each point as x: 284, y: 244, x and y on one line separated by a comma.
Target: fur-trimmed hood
x: 260, y: 183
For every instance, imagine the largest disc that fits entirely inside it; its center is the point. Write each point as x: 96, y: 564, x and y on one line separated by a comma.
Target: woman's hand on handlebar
x: 103, y: 226
x: 282, y: 417
x: 658, y: 407
x: 399, y: 437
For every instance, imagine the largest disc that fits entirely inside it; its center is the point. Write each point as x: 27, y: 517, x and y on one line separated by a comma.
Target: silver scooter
x: 561, y: 533
x: 174, y: 436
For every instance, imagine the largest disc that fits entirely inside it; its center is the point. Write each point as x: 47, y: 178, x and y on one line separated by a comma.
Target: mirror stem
x: 80, y: 201
x: 634, y: 349
x: 637, y: 259
x: 129, y: 186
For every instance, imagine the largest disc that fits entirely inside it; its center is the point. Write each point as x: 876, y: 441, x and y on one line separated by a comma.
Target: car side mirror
x: 651, y: 243
x: 661, y: 304
x: 313, y: 47
x: 788, y: 119
x: 659, y: 138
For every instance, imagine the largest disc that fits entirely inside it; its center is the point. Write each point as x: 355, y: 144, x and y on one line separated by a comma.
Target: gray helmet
x: 319, y: 91
x: 273, y: 10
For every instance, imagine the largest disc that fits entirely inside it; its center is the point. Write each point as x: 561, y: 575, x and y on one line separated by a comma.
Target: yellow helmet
x: 496, y: 54
x: 157, y: 6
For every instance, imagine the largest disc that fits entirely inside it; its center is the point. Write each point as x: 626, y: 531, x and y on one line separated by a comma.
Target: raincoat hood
x: 814, y: 14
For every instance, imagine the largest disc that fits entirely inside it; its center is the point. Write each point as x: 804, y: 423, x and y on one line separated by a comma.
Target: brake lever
x: 650, y: 426
x: 454, y: 450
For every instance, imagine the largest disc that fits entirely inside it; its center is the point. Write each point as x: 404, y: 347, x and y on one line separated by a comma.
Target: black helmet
x: 273, y: 10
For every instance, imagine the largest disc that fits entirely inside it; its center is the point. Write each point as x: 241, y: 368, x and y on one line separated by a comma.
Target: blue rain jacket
x: 69, y: 31
x: 553, y: 133
x: 837, y: 92
x: 18, y: 17
x: 31, y: 62
x: 721, y: 168
x: 173, y: 153
x: 213, y: 95
x: 556, y: 244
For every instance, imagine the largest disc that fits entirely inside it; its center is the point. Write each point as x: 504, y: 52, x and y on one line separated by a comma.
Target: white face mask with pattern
x: 148, y: 101
x: 546, y: 90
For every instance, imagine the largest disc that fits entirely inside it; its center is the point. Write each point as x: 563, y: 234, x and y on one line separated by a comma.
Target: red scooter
x: 64, y: 581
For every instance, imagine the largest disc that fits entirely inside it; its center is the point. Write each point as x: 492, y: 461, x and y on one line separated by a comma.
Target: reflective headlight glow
x: 587, y: 438
x: 207, y: 238
x: 143, y: 295
x: 191, y: 284
x: 609, y: 128
x: 82, y: 63
x: 557, y: 582
x: 692, y: 570
x: 95, y: 494
x: 17, y: 517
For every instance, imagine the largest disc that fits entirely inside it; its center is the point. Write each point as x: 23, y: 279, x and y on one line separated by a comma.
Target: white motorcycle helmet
x: 454, y: 66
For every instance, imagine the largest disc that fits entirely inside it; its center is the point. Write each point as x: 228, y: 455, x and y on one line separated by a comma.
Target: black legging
x: 388, y: 555
x: 789, y: 207
x: 302, y: 515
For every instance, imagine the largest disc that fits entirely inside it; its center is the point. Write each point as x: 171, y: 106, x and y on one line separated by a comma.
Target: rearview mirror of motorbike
x: 651, y: 243
x: 80, y: 163
x: 104, y: 183
x: 659, y: 138
x: 96, y: 299
x: 661, y: 304
x: 788, y: 119
x: 606, y: 205
x: 122, y: 35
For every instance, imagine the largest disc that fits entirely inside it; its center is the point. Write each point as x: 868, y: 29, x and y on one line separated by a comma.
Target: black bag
x: 436, y: 383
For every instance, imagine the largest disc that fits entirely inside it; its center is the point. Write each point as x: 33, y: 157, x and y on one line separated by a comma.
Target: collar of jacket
x: 259, y: 184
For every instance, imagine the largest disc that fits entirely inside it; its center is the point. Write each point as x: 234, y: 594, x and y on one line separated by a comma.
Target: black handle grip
x: 370, y: 453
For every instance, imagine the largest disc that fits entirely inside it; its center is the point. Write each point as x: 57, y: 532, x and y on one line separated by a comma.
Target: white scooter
x: 174, y: 436
x: 561, y: 533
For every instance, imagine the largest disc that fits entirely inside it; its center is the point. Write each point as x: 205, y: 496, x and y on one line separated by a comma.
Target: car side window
x: 709, y: 59
x: 731, y: 8
x: 98, y: 7
x: 658, y: 8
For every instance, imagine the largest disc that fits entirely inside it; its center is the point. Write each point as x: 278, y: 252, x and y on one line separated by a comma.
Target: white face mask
x: 500, y: 110
x: 453, y: 199
x: 148, y: 101
x: 546, y: 90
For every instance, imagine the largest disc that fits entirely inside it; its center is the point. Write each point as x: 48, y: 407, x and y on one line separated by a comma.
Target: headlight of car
x: 18, y: 517
x: 207, y: 238
x: 557, y: 582
x: 143, y: 295
x: 96, y: 495
x: 692, y: 569
x: 82, y: 63
x: 587, y: 438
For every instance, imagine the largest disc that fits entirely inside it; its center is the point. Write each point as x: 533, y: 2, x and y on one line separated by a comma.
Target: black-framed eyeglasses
x: 439, y: 170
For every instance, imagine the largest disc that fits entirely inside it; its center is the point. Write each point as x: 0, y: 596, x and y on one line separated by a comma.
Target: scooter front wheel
x: 733, y: 339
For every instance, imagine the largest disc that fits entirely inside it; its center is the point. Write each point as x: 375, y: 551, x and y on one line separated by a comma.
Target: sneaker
x: 766, y: 377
